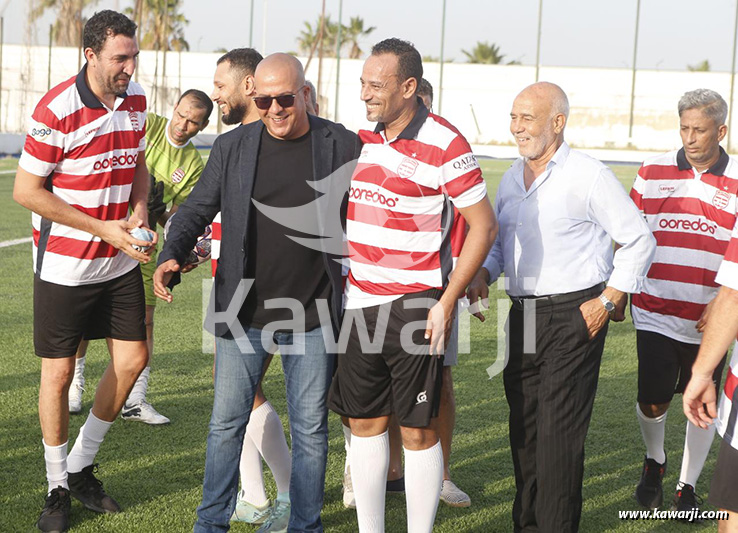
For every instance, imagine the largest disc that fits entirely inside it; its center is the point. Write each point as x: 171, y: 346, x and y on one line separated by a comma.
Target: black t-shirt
x: 281, y: 267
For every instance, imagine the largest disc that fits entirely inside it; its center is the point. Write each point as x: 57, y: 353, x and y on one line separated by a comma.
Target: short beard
x: 236, y: 114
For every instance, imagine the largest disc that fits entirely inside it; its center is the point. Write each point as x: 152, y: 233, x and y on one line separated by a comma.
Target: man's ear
x: 409, y: 88
x: 89, y: 54
x: 722, y: 131
x: 559, y: 123
x: 249, y: 86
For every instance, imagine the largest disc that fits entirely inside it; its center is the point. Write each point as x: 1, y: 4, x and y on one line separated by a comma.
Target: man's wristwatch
x: 609, y: 306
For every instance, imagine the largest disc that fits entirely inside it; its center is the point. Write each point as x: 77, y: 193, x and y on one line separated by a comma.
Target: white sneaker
x: 349, y: 501
x: 75, y: 396
x: 144, y: 412
x: 250, y: 513
x: 453, y: 495
x: 278, y: 520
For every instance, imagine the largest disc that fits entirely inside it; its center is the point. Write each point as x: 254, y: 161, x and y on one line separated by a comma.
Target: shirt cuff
x: 494, y: 269
x: 625, y: 282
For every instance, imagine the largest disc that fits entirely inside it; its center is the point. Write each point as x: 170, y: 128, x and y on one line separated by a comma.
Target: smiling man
x: 273, y: 162
x: 688, y: 199
x: 559, y: 211
x: 83, y: 167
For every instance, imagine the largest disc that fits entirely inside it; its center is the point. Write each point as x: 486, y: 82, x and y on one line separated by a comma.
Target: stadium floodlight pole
x: 443, y: 43
x: 338, y: 58
x: 633, y: 77
x: 732, y: 76
x: 264, y: 29
x: 251, y: 26
x: 538, y: 40
x: 2, y: 40
x: 48, y: 70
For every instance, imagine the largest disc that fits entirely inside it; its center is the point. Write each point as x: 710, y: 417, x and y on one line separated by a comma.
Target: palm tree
x: 484, y: 53
x: 308, y: 39
x: 353, y: 32
x: 161, y: 24
x: 69, y: 19
x: 703, y: 66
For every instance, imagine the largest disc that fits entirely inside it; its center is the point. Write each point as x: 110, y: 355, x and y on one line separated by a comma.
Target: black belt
x: 557, y: 299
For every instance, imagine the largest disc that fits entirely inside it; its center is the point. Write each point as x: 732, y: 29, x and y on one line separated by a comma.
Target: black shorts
x: 723, y: 489
x: 63, y: 315
x: 405, y: 380
x: 665, y: 366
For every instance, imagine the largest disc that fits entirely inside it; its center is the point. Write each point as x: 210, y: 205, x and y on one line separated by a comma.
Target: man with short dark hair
x: 269, y: 163
x: 413, y: 170
x: 82, y: 168
x: 233, y: 84
x: 687, y: 198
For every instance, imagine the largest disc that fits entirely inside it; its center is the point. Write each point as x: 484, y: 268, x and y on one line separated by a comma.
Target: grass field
x: 156, y: 472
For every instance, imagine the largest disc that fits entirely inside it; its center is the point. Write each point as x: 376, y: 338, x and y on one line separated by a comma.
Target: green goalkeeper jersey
x: 178, y: 167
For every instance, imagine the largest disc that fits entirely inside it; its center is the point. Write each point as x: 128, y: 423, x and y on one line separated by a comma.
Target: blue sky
x: 673, y: 33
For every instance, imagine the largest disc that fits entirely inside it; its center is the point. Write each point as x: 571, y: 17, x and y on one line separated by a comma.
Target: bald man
x: 559, y: 212
x: 292, y: 299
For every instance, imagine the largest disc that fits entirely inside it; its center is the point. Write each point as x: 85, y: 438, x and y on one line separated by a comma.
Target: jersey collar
x: 718, y: 169
x: 412, y: 129
x: 86, y: 94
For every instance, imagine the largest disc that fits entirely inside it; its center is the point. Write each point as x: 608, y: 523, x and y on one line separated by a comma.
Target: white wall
x: 599, y: 98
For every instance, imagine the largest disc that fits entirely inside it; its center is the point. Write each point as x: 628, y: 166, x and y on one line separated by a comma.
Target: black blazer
x: 226, y: 185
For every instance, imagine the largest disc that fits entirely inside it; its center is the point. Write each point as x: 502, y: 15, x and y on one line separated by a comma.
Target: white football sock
x: 652, y: 430
x: 56, y: 465
x: 252, y: 475
x: 423, y: 480
x: 369, y: 463
x: 266, y: 431
x: 85, y: 448
x: 346, y: 446
x: 138, y: 393
x: 697, y: 445
x: 79, y: 371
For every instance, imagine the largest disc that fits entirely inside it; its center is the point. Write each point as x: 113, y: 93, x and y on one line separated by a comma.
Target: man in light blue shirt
x: 559, y: 212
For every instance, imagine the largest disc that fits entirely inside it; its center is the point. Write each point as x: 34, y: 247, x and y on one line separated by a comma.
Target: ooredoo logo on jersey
x: 687, y: 225
x: 109, y: 163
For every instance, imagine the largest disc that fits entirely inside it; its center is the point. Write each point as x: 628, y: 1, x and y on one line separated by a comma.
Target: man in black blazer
x: 277, y: 286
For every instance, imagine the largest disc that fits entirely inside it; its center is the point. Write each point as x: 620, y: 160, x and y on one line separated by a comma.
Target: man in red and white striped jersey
x: 82, y: 168
x: 413, y: 170
x: 700, y: 397
x: 688, y: 198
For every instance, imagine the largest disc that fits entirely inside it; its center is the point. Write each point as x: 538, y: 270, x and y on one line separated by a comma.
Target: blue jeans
x: 308, y: 371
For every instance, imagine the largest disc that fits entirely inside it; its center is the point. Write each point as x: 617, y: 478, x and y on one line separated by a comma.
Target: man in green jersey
x: 175, y: 166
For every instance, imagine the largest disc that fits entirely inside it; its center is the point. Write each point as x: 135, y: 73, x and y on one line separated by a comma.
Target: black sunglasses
x: 265, y: 102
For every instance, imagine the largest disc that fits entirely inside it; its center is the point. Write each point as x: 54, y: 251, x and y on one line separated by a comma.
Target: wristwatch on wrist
x: 609, y: 306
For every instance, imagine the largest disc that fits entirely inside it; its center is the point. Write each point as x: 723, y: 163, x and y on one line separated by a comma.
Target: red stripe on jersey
x: 637, y: 199
x: 664, y: 306
x: 386, y: 289
x: 79, y: 119
x: 53, y: 93
x: 731, y: 254
x: 665, y: 172
x: 460, y: 185
x: 214, y: 265
x: 683, y: 274
x: 386, y: 258
x: 689, y: 206
x: 93, y: 182
x: 103, y: 144
x: 690, y: 241
x: 731, y: 382
x: 722, y: 183
x: 426, y: 153
x: 105, y: 212
x: 80, y: 249
x: 386, y: 218
x: 382, y: 176
x: 44, y: 152
x: 36, y: 235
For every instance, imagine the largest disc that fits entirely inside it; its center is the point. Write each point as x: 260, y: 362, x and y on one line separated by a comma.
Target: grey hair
x: 560, y: 103
x: 709, y: 101
x: 313, y: 93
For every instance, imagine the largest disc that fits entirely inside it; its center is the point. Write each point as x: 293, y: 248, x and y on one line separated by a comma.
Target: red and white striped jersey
x: 215, y: 238
x: 88, y: 154
x: 728, y: 402
x: 691, y: 216
x: 401, y: 209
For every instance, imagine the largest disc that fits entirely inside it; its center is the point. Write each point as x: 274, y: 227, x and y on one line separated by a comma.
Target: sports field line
x: 13, y: 242
x: 7, y: 171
